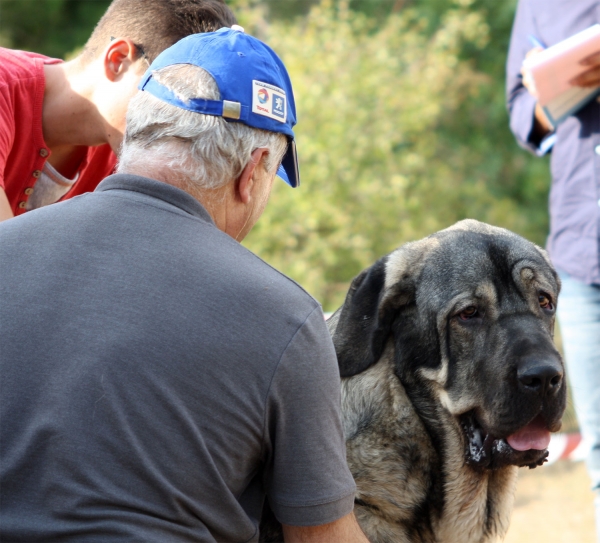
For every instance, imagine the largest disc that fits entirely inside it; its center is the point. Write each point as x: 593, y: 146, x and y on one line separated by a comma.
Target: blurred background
x: 402, y: 131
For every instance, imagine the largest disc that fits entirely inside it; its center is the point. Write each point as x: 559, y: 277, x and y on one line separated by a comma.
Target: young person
x: 61, y: 123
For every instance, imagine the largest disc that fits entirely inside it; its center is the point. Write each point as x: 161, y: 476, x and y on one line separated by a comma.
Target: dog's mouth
x: 526, y: 447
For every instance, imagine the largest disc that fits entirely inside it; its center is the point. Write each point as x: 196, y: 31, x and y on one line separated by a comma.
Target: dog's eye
x: 468, y: 313
x: 545, y: 301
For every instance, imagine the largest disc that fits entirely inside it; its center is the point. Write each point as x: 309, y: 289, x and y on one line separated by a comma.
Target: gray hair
x: 200, y: 151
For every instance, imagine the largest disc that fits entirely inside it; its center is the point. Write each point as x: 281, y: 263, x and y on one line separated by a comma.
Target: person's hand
x: 591, y: 77
x: 542, y: 124
x: 528, y: 82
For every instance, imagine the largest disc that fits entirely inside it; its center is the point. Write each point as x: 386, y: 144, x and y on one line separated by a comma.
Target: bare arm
x: 344, y: 530
x: 5, y: 210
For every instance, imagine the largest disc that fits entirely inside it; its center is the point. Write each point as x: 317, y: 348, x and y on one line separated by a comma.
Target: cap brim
x: 288, y: 171
x: 281, y: 173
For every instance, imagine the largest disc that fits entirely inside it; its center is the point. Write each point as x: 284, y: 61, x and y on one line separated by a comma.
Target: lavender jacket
x: 574, y: 240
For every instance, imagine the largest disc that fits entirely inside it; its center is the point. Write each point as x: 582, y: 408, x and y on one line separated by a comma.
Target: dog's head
x: 470, y: 311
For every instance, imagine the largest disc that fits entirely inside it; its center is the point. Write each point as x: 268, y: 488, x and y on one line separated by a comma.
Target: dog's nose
x: 540, y: 377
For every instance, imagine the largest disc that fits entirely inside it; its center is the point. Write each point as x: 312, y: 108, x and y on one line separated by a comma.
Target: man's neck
x: 219, y: 203
x: 70, y: 120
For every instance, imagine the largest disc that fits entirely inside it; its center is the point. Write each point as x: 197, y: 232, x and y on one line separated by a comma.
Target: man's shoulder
x: 181, y: 236
x: 262, y: 280
x: 15, y: 64
x: 191, y: 233
x: 251, y: 282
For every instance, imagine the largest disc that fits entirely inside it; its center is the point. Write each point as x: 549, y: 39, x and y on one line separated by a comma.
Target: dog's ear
x: 363, y: 323
x: 362, y: 326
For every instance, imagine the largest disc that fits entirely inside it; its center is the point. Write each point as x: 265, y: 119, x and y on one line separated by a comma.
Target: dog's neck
x: 478, y: 504
x: 402, y: 476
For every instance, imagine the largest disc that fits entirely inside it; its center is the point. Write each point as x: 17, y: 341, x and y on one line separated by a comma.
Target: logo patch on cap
x: 269, y: 101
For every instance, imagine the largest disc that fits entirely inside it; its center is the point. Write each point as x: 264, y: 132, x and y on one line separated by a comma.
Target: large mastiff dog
x: 450, y: 383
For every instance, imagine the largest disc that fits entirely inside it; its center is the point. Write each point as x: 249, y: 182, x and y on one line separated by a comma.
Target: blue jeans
x: 579, y: 320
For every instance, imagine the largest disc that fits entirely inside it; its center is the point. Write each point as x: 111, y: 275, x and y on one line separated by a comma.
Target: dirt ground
x: 553, y: 504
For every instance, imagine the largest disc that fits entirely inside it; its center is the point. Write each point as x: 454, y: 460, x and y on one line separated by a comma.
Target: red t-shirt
x: 23, y: 151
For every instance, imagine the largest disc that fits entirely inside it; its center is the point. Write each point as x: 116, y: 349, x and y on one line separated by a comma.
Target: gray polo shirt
x: 157, y: 378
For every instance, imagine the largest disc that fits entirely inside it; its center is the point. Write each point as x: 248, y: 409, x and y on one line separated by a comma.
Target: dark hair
x: 154, y: 25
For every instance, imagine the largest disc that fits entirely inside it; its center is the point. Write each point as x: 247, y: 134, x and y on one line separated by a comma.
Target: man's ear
x: 119, y: 56
x: 245, y: 182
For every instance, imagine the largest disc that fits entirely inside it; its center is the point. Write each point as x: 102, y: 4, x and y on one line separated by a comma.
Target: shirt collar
x: 156, y: 189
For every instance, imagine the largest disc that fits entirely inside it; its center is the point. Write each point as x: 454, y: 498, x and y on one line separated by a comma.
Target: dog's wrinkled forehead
x: 462, y: 254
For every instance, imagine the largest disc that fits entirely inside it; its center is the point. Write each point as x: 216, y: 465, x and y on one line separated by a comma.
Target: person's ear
x: 245, y: 182
x: 119, y: 56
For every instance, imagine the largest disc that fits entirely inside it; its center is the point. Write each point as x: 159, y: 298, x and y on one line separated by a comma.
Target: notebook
x: 554, y: 67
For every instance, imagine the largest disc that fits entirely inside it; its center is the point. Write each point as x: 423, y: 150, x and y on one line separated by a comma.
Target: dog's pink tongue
x: 533, y: 436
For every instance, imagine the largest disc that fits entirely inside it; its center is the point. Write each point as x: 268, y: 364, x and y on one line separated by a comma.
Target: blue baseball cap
x: 254, y: 85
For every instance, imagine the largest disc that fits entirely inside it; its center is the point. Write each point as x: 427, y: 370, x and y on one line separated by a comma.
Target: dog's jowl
x: 451, y: 381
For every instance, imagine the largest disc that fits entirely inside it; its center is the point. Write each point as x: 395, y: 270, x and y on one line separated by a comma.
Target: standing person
x: 62, y: 123
x: 179, y: 379
x: 574, y: 240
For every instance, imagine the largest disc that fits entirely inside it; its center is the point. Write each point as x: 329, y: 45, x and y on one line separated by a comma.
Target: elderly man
x: 158, y: 379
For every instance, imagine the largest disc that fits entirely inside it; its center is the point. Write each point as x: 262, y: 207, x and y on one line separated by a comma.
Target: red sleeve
x: 7, y: 129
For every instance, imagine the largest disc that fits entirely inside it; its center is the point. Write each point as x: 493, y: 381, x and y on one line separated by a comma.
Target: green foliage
x: 51, y: 27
